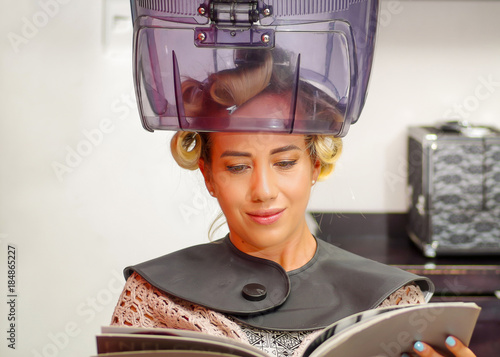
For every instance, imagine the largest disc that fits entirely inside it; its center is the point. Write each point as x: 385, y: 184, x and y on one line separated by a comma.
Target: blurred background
x: 85, y: 191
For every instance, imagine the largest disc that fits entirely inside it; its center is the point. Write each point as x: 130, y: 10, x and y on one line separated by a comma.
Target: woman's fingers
x: 454, y: 345
x: 458, y: 348
x: 424, y: 350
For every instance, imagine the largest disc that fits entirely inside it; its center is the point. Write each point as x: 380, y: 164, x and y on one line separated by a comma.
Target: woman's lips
x: 266, y: 217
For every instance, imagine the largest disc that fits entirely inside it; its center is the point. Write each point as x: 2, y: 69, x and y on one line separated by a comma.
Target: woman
x: 269, y: 282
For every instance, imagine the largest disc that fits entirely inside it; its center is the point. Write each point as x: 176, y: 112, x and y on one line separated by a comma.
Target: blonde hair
x: 231, y: 87
x: 236, y: 86
x: 188, y: 147
x: 327, y: 149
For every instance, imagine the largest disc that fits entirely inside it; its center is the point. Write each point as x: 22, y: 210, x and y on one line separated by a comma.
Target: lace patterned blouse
x: 142, y: 305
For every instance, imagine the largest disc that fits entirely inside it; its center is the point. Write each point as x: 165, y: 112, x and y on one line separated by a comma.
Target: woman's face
x: 262, y: 182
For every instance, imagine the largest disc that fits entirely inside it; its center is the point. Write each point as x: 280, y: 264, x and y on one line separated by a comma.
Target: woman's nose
x: 263, y: 186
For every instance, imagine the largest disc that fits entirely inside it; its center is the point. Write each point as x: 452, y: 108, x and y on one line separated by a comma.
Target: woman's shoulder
x: 215, y: 275
x: 196, y: 253
x: 143, y: 305
x: 372, y: 272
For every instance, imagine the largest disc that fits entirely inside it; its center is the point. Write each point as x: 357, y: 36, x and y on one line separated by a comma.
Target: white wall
x: 431, y: 60
x: 124, y: 201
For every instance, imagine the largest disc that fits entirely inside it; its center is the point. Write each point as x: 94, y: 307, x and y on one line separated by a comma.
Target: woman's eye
x: 286, y: 164
x: 236, y: 169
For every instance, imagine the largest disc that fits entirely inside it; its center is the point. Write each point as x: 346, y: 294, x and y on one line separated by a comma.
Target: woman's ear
x: 316, y: 170
x: 207, y: 175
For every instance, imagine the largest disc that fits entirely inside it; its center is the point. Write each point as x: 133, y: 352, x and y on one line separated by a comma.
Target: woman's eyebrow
x: 285, y: 148
x: 247, y: 154
x: 235, y: 153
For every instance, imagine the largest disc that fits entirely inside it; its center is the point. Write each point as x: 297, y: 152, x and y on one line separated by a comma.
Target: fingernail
x: 405, y: 355
x: 450, y: 341
x: 419, y: 346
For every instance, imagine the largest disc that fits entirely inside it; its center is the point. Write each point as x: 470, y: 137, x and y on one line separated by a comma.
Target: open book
x: 379, y: 332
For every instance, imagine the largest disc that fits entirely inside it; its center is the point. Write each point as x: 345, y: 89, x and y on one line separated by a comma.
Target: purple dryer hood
x: 200, y: 64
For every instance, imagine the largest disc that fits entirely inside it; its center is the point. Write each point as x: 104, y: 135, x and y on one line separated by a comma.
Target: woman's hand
x: 454, y: 345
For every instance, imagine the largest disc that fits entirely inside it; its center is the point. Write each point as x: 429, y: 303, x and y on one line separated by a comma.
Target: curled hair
x: 231, y: 87
x: 188, y: 147
x: 261, y: 71
x: 326, y: 149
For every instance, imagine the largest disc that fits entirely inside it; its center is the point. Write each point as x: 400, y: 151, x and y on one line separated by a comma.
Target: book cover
x: 379, y: 332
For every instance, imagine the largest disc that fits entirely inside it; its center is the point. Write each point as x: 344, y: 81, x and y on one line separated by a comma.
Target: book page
x: 167, y: 353
x: 122, y: 338
x: 394, y: 332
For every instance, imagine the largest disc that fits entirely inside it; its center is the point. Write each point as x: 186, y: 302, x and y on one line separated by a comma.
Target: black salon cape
x: 333, y: 285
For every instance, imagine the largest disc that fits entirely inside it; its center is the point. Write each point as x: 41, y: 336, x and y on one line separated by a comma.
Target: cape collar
x: 259, y: 292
